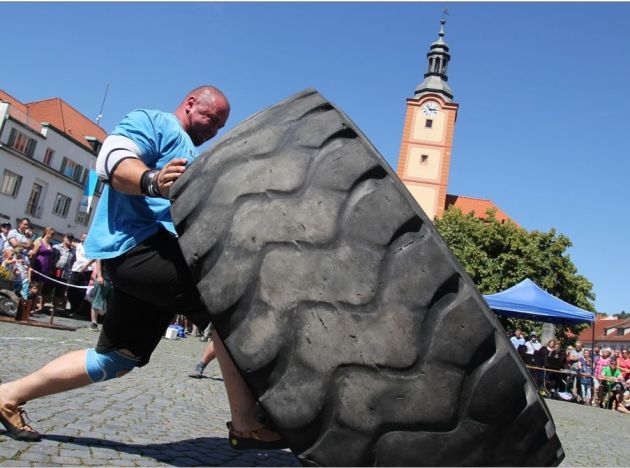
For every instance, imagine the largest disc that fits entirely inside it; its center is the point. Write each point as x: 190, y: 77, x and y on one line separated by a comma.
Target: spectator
x: 22, y: 273
x: 4, y: 233
x: 626, y: 396
x: 64, y: 259
x: 550, y: 359
x: 80, y: 276
x: 533, y: 346
x: 596, y: 354
x: 8, y: 259
x: 101, y: 294
x: 603, y: 361
x: 517, y: 339
x: 612, y: 381
x: 20, y: 237
x: 208, y: 355
x: 586, y: 381
x: 42, y: 262
x: 207, y: 333
x: 624, y: 363
x: 574, y: 362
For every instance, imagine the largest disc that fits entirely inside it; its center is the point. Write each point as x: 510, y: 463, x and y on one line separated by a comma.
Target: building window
x: 10, y: 183
x: 62, y: 205
x: 71, y: 169
x: 428, y: 123
x: 32, y: 206
x: 48, y: 157
x: 21, y: 143
x: 424, y: 159
x: 82, y: 217
x: 620, y: 331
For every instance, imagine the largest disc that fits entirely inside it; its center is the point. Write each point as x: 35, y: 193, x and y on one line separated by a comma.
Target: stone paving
x: 157, y: 416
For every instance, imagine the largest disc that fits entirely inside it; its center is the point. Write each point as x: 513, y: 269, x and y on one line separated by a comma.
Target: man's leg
x: 208, y: 355
x: 240, y: 398
x: 245, y: 431
x: 64, y: 373
x: 72, y: 370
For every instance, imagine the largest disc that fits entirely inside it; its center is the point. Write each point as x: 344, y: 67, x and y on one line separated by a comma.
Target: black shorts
x: 151, y: 284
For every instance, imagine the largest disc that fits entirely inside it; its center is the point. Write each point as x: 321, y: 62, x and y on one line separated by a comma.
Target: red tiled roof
x: 478, y: 206
x: 601, y: 325
x: 6, y: 97
x: 67, y: 119
x: 60, y: 115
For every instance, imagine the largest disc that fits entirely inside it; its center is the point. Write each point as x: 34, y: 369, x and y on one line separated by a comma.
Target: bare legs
x: 64, y: 373
x: 242, y: 402
x: 209, y: 354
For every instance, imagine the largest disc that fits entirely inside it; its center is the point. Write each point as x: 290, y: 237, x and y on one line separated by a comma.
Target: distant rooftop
x: 478, y: 206
x: 60, y: 115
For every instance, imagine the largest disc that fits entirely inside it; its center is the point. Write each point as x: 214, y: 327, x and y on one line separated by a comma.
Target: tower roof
x: 435, y: 79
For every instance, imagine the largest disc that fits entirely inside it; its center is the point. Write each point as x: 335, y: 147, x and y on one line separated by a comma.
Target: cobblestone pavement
x: 157, y: 416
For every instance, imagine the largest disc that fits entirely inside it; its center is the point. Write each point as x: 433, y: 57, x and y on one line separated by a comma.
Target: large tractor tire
x: 364, y: 339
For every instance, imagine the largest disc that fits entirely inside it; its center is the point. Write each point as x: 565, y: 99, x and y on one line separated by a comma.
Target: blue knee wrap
x: 101, y: 367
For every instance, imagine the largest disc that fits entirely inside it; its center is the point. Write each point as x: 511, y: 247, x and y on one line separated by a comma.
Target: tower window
x: 424, y: 159
x: 428, y: 123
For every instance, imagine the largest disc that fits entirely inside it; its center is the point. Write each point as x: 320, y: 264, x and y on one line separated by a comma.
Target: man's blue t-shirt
x: 123, y: 221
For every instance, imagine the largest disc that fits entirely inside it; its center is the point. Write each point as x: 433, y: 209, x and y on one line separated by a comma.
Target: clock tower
x: 425, y: 149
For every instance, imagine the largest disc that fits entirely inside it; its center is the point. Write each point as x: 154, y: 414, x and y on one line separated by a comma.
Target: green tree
x: 498, y: 255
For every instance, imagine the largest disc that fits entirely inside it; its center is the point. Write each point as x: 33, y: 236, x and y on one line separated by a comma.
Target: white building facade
x: 43, y: 172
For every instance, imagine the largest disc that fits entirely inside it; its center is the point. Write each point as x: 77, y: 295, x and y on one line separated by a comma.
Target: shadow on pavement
x: 201, y: 451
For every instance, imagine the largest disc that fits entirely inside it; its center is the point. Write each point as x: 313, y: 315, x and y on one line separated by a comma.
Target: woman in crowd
x: 42, y: 261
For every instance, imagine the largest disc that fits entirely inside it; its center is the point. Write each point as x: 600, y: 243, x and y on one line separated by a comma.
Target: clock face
x: 430, y: 109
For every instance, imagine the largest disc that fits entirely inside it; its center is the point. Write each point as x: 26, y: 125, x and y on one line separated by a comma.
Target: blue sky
x: 544, y: 111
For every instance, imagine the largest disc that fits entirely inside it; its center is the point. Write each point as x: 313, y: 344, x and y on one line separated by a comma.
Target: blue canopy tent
x: 528, y: 301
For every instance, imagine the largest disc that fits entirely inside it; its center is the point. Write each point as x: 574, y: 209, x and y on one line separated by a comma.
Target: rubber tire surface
x: 364, y: 339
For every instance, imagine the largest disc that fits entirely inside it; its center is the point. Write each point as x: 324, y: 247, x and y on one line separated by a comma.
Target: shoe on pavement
x: 198, y: 372
x: 93, y: 326
x: 12, y: 418
x: 259, y: 439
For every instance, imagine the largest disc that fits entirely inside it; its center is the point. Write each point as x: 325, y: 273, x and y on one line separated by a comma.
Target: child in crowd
x: 16, y: 261
x: 586, y: 381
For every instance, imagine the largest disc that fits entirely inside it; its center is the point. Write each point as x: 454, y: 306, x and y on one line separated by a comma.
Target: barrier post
x: 24, y: 310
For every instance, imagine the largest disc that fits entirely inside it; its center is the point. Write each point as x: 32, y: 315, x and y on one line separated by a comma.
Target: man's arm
x: 14, y: 242
x: 120, y: 163
x: 126, y: 177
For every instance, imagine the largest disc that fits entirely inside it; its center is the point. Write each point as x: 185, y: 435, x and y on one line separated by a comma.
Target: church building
x: 424, y: 161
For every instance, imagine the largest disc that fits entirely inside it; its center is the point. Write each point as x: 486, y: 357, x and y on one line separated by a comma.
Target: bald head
x: 203, y: 112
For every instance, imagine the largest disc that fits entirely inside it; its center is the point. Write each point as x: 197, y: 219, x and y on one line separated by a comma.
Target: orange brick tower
x: 425, y: 150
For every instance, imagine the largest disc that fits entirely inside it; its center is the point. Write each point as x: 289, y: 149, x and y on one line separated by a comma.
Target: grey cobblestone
x: 14, y: 463
x: 157, y: 416
x: 8, y: 451
x: 66, y: 460
x: 38, y: 457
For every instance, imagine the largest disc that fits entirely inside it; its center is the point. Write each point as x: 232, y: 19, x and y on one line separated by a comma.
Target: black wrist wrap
x: 148, y: 183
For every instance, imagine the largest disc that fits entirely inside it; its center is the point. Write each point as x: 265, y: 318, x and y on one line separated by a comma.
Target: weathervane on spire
x: 444, y: 13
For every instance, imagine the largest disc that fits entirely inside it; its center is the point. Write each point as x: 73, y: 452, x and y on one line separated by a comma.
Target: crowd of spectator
x: 52, y: 274
x: 595, y: 377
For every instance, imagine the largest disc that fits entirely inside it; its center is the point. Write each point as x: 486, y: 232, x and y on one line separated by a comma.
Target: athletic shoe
x: 12, y: 418
x: 93, y: 326
x: 198, y: 372
x: 259, y: 439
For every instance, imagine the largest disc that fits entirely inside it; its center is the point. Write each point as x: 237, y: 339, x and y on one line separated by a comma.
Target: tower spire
x: 436, y: 76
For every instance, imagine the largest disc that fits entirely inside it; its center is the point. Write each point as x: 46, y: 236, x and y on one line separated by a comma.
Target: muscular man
x: 133, y: 235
